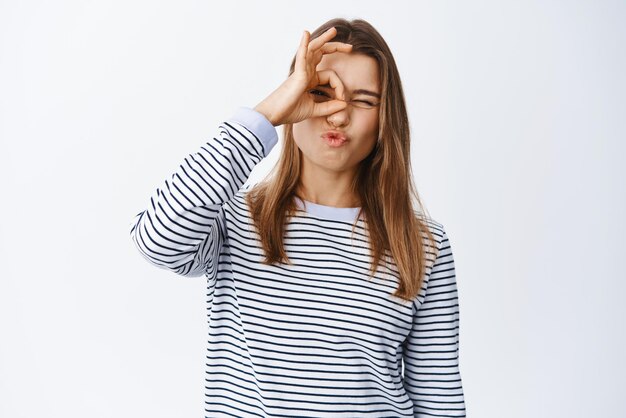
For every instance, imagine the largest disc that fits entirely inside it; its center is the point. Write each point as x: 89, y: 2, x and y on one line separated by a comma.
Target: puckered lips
x: 334, y: 138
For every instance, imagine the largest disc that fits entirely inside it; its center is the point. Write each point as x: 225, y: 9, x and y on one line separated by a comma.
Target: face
x: 360, y: 125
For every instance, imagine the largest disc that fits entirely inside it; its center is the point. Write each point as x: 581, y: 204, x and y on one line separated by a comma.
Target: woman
x: 305, y: 317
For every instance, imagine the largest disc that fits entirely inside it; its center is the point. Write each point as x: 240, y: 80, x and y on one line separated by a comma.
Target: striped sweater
x: 316, y: 338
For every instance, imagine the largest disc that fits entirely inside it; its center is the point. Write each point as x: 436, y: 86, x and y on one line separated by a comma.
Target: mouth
x: 334, y: 138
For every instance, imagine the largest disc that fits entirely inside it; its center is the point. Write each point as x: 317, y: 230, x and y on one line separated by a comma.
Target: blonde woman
x: 330, y: 292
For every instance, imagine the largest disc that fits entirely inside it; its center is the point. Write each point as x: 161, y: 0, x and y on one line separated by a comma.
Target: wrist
x: 262, y: 110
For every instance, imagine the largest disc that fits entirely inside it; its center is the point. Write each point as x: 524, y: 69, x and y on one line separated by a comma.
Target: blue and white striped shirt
x: 318, y: 338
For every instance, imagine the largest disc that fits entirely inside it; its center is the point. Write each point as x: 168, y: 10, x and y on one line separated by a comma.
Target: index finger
x: 330, y: 47
x: 322, y: 39
x: 330, y: 78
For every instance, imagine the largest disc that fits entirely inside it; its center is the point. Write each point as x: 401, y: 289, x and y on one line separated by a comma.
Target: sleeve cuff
x: 258, y: 124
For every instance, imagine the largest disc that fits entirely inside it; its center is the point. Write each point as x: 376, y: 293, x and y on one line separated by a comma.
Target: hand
x: 290, y: 102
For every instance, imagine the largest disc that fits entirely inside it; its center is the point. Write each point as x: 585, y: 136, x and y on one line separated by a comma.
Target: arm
x: 431, y: 351
x: 182, y: 229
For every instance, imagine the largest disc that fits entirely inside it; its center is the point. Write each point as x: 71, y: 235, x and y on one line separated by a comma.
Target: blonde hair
x: 383, y: 180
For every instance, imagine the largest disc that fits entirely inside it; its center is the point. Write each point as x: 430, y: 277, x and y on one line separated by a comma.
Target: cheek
x: 370, y: 127
x: 303, y: 135
x: 369, y: 134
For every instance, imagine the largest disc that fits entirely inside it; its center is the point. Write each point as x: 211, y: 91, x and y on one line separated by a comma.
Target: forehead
x: 356, y: 71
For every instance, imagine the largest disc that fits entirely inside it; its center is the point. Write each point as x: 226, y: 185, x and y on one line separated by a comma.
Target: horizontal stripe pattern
x: 316, y: 337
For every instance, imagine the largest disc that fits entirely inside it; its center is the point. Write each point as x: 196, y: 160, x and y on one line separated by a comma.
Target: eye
x: 366, y: 102
x: 314, y: 91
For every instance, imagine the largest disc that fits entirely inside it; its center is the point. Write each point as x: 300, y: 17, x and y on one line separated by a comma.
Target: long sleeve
x: 182, y: 229
x: 432, y: 378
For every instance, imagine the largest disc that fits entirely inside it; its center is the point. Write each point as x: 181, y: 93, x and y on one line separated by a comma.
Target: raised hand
x: 290, y: 102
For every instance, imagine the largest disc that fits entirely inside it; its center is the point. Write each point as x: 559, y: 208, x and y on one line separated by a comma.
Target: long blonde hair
x: 383, y: 180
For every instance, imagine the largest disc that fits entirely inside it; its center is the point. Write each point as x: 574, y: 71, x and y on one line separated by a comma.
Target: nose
x: 341, y: 117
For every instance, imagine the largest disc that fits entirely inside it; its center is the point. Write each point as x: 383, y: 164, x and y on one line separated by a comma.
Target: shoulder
x: 242, y: 193
x: 237, y: 203
x: 435, y: 227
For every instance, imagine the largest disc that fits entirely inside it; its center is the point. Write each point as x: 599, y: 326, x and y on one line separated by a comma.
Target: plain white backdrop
x: 518, y: 117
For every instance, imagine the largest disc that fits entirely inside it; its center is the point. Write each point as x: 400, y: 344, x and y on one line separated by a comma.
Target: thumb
x: 328, y: 108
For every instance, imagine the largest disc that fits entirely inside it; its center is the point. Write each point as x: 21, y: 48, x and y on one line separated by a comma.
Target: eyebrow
x: 359, y: 91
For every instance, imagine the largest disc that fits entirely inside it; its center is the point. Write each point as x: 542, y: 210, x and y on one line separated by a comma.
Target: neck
x: 328, y: 189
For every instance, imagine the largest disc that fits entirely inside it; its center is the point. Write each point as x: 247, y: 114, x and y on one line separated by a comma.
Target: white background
x: 518, y: 118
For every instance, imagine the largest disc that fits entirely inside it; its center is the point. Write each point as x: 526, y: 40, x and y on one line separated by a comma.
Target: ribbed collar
x: 327, y: 212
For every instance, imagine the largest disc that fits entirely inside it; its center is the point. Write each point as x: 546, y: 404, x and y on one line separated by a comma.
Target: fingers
x: 331, y: 77
x: 331, y: 106
x: 302, y: 51
x: 321, y: 42
x: 322, y: 39
x: 331, y: 47
x: 328, y: 108
x: 324, y: 42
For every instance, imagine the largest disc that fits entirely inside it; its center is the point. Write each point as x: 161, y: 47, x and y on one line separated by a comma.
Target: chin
x: 332, y: 164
